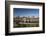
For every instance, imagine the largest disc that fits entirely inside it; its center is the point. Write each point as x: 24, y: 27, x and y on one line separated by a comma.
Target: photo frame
x: 24, y: 17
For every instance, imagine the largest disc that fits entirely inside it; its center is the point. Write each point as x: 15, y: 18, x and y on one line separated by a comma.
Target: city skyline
x: 25, y: 12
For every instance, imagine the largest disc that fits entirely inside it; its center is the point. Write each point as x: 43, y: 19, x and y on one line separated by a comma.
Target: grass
x: 26, y: 25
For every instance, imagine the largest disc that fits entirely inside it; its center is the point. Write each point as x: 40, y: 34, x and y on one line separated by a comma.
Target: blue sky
x: 25, y: 12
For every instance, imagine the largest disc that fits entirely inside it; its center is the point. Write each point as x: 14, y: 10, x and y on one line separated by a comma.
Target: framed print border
x: 8, y: 3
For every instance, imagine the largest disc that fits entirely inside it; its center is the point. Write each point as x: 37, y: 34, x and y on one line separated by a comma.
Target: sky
x: 25, y: 12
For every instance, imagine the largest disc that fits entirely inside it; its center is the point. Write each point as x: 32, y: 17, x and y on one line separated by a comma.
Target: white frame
x: 26, y: 28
